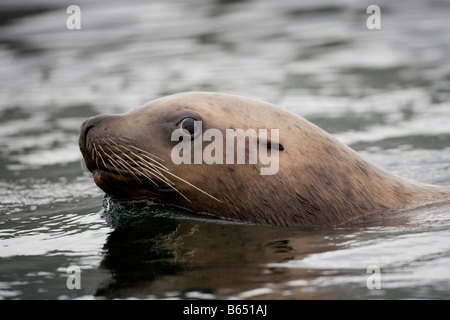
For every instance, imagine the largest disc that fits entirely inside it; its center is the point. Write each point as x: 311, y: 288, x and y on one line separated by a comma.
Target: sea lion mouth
x: 103, y: 176
x: 125, y: 187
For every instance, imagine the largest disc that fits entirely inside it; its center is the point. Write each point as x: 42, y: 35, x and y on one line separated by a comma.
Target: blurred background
x: 384, y: 92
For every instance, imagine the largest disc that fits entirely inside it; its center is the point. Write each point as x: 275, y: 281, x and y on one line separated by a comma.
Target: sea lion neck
x: 337, y: 185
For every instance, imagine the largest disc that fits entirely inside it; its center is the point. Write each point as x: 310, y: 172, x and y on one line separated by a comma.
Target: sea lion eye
x: 188, y: 124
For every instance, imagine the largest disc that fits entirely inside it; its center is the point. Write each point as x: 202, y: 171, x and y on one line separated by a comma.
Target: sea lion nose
x: 87, y: 125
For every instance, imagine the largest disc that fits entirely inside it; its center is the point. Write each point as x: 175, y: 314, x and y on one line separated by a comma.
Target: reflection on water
x: 138, y: 254
x: 385, y: 93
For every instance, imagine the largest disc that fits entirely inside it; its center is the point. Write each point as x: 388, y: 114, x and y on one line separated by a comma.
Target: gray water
x: 384, y: 92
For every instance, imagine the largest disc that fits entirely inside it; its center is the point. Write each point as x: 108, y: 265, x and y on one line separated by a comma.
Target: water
x: 384, y: 92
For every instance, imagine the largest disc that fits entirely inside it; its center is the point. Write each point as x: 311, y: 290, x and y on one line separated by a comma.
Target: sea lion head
x: 130, y: 155
x: 315, y: 179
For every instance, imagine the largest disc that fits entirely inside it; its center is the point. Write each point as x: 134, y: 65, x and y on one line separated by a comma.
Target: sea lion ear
x: 271, y: 143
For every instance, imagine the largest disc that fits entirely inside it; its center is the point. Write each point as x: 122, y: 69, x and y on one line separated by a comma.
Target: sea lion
x: 320, y: 182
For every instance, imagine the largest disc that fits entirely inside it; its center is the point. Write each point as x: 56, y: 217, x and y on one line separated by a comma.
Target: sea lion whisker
x: 144, y: 165
x: 166, y: 180
x: 181, y: 179
x: 124, y: 154
x: 193, y: 186
x: 101, y: 157
x: 149, y: 178
x: 155, y: 172
x: 158, y: 173
x: 103, y: 161
x: 120, y: 165
x: 128, y: 143
x: 128, y: 169
x: 151, y: 164
x: 148, y: 172
x: 95, y: 153
x: 148, y: 154
x: 171, y: 183
x: 113, y: 163
x: 180, y: 193
x: 145, y: 153
x: 144, y: 172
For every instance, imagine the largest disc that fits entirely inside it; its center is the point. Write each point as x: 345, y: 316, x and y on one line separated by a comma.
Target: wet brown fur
x: 320, y: 182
